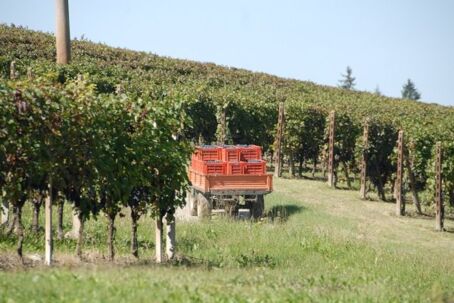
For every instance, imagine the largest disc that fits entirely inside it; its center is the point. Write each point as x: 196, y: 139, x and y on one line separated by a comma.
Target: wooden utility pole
x: 48, y: 227
x: 363, y: 188
x: 439, y: 207
x: 62, y: 32
x: 400, y: 202
x: 331, y: 130
x: 278, y: 141
x: 158, y: 239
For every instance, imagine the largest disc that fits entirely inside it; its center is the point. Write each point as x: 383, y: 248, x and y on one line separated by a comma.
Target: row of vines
x: 120, y: 137
x: 99, y: 152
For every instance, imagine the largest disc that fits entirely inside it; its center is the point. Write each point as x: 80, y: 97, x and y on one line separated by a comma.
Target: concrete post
x: 48, y: 227
x: 158, y: 240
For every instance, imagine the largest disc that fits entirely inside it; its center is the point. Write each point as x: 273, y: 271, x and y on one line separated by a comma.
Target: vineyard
x: 116, y: 128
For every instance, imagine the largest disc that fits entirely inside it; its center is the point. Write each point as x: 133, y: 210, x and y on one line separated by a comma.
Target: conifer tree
x: 348, y: 81
x: 409, y: 91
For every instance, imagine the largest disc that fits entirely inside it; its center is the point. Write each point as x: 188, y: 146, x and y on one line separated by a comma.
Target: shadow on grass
x: 281, y: 213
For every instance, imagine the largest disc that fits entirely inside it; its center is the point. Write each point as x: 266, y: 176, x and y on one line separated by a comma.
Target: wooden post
x: 158, y: 239
x: 223, y: 122
x: 278, y: 141
x: 4, y: 212
x: 29, y: 73
x: 400, y: 202
x: 170, y: 240
x: 62, y: 32
x: 439, y: 207
x: 331, y: 129
x: 74, y: 233
x: 12, y: 70
x: 363, y: 188
x: 48, y: 227
x: 119, y: 89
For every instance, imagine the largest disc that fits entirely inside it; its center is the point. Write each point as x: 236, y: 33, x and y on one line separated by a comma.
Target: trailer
x: 228, y: 179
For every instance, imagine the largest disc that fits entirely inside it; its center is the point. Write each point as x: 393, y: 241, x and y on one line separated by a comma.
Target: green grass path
x: 332, y: 247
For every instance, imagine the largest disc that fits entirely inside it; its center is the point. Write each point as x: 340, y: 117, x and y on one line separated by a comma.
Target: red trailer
x: 228, y: 178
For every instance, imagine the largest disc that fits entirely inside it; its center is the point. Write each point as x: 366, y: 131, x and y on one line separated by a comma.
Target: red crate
x: 235, y: 168
x: 208, y: 152
x: 210, y: 167
x: 255, y: 167
x: 230, y: 154
x: 250, y: 152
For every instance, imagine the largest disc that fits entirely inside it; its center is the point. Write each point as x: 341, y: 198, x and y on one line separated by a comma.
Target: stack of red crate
x: 229, y: 160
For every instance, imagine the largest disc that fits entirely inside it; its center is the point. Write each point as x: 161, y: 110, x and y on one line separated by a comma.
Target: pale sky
x: 385, y: 42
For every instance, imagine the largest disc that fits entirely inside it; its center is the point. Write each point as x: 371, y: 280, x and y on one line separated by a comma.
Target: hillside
x: 109, y: 137
x: 250, y: 102
x: 31, y: 47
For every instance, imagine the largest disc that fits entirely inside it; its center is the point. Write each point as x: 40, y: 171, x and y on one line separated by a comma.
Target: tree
x: 409, y: 91
x: 348, y: 81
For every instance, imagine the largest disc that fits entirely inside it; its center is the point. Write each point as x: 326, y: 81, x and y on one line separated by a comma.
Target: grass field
x: 326, y: 245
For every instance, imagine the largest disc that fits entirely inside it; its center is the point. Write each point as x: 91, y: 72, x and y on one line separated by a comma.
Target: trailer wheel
x: 258, y: 207
x: 203, y: 206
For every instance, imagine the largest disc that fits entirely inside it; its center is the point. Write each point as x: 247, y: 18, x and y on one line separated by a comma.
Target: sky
x: 385, y: 42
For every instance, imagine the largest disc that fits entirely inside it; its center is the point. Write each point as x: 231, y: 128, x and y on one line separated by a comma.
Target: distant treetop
x: 348, y: 81
x: 409, y: 91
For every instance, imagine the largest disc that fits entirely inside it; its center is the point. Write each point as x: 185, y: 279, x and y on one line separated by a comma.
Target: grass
x: 327, y: 245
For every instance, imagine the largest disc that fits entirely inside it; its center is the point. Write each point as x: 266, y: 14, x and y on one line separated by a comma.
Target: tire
x: 203, y: 207
x: 258, y: 207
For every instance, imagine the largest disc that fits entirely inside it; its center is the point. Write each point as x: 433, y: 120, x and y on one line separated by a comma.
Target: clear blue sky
x: 385, y: 42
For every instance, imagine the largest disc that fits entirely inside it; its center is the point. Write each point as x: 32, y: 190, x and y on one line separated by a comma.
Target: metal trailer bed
x: 227, y: 193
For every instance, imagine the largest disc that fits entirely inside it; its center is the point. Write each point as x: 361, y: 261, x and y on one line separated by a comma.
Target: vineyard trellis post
x: 63, y: 42
x: 223, y: 126
x: 4, y: 212
x: 12, y: 70
x: 278, y: 142
x: 331, y: 134
x: 48, y: 227
x: 76, y: 225
x: 400, y: 202
x: 439, y: 207
x: 158, y: 239
x: 170, y: 239
x: 29, y: 73
x: 363, y: 188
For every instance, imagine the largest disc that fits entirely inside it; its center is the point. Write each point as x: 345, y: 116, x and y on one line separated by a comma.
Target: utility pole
x: 62, y: 32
